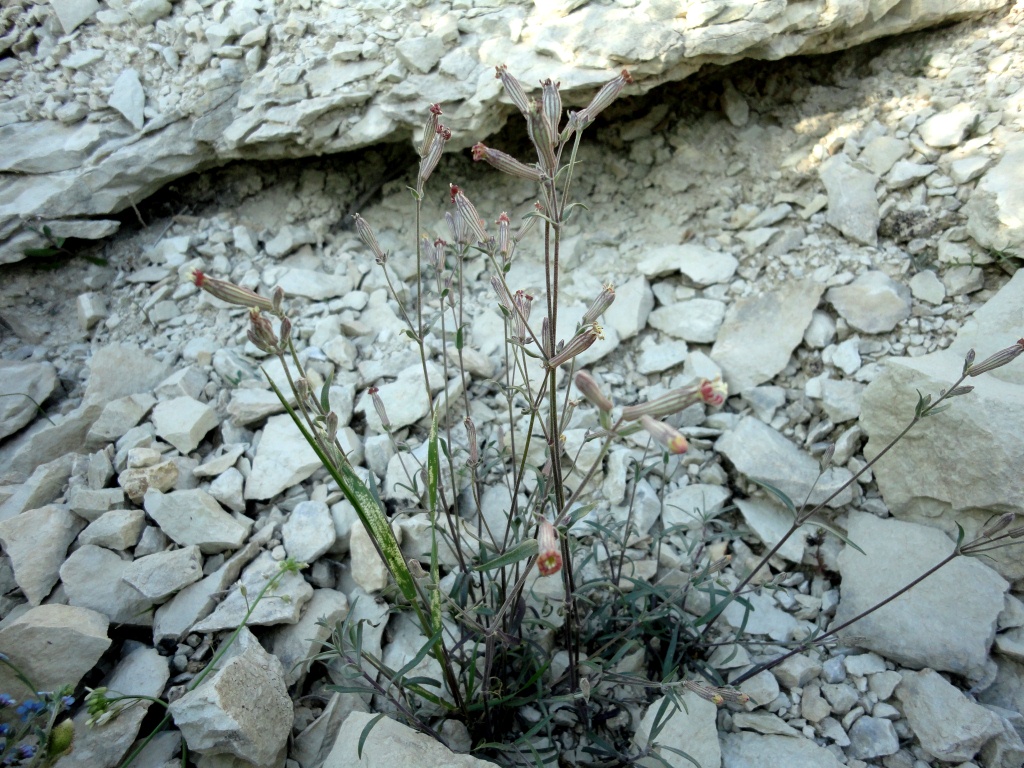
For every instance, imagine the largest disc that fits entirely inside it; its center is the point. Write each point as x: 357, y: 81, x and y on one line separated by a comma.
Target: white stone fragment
x: 128, y: 98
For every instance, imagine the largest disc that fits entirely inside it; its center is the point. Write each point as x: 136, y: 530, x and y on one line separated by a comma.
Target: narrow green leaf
x: 522, y: 551
x: 777, y: 493
x: 460, y: 337
x: 837, y: 533
x: 366, y: 732
x: 325, y: 393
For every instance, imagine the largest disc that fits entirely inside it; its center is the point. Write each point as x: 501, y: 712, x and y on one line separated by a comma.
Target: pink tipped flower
x: 513, y: 88
x: 229, y: 292
x: 503, y: 295
x: 669, y: 438
x: 506, y: 163
x: 378, y: 405
x: 713, y: 392
x: 549, y: 558
x: 430, y: 129
x: 433, y: 155
x: 710, y: 392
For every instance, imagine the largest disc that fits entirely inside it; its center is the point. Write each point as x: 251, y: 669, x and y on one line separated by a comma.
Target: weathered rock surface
x: 274, y: 109
x: 241, y: 710
x: 390, y: 743
x: 692, y: 730
x: 22, y: 387
x: 915, y: 478
x: 53, y: 646
x: 947, y: 622
x: 37, y: 542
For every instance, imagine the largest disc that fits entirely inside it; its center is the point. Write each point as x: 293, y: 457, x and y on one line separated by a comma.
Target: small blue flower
x: 5, y: 729
x: 68, y: 701
x: 27, y: 751
x: 6, y: 701
x: 30, y: 708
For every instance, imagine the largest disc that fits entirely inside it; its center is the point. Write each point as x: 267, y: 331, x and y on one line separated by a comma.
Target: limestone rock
x: 701, y: 265
x: 128, y: 98
x: 947, y: 129
x: 283, y: 459
x: 762, y: 453
x: 294, y: 644
x: 989, y: 423
x: 183, y: 422
x: 309, y: 531
x: 138, y: 481
x: 44, y: 485
x: 692, y: 730
x: 994, y: 210
x: 391, y: 743
x: 232, y: 610
x: 92, y: 578
x: 53, y: 646
x: 759, y: 333
x: 947, y: 622
x: 160, y: 575
x: 37, y: 542
x: 696, y: 320
x: 73, y: 13
x: 175, y: 618
x: 118, y: 529
x: 243, y: 709
x: 948, y: 724
x: 873, y: 303
x: 852, y: 206
x: 33, y: 382
x: 634, y: 301
x: 752, y: 750
x: 194, y: 517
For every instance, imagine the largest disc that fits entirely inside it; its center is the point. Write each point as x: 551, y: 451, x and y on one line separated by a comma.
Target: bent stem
x: 923, y: 409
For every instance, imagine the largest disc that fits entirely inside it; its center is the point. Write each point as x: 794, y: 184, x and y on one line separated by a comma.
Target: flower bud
x: 378, y: 406
x: 229, y: 292
x: 505, y: 244
x: 549, y: 558
x: 277, y: 299
x: 551, y: 105
x: 998, y: 360
x: 261, y: 332
x: 331, y: 425
x: 506, y: 163
x: 369, y: 239
x: 523, y: 304
x: 457, y: 227
x: 608, y: 93
x: 670, y: 438
x: 1001, y: 522
x: 471, y: 438
x: 430, y: 129
x: 601, y: 303
x: 286, y: 330
x: 430, y: 160
x: 469, y: 214
x: 577, y: 345
x: 589, y: 388
x: 503, y: 295
x: 513, y: 88
x: 302, y: 390
x: 675, y: 401
x: 543, y: 139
